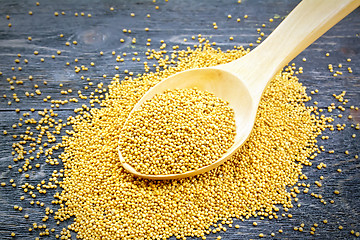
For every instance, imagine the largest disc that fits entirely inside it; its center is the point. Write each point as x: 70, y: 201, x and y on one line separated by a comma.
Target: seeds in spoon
x: 178, y: 131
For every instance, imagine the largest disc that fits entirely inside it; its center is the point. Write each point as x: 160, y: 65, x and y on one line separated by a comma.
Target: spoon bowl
x: 223, y: 84
x: 243, y: 81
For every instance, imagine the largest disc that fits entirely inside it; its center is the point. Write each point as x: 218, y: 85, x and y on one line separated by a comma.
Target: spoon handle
x: 306, y: 23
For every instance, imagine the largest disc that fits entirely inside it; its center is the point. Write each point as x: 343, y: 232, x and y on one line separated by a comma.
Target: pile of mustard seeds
x: 177, y: 131
x: 107, y: 202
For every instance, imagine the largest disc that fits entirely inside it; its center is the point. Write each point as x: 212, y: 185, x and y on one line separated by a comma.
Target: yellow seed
x: 177, y: 120
x: 96, y: 139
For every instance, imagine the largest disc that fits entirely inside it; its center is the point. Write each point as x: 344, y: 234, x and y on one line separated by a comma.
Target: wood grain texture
x: 174, y: 21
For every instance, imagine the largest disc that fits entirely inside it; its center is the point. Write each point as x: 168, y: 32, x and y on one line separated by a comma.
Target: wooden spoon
x: 242, y: 82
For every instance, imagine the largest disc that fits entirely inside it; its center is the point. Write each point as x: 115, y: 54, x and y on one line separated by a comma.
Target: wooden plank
x: 174, y: 21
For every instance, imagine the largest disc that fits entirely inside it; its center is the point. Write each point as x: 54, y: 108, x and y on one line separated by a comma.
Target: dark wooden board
x: 172, y: 22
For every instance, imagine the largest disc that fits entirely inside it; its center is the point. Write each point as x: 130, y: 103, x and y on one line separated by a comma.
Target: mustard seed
x: 179, y: 142
x: 184, y: 207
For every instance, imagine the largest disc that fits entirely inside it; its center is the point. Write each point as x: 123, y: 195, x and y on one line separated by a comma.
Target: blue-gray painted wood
x: 174, y: 21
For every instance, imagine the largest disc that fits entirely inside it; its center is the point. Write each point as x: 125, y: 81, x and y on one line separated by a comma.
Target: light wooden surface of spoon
x: 243, y: 81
